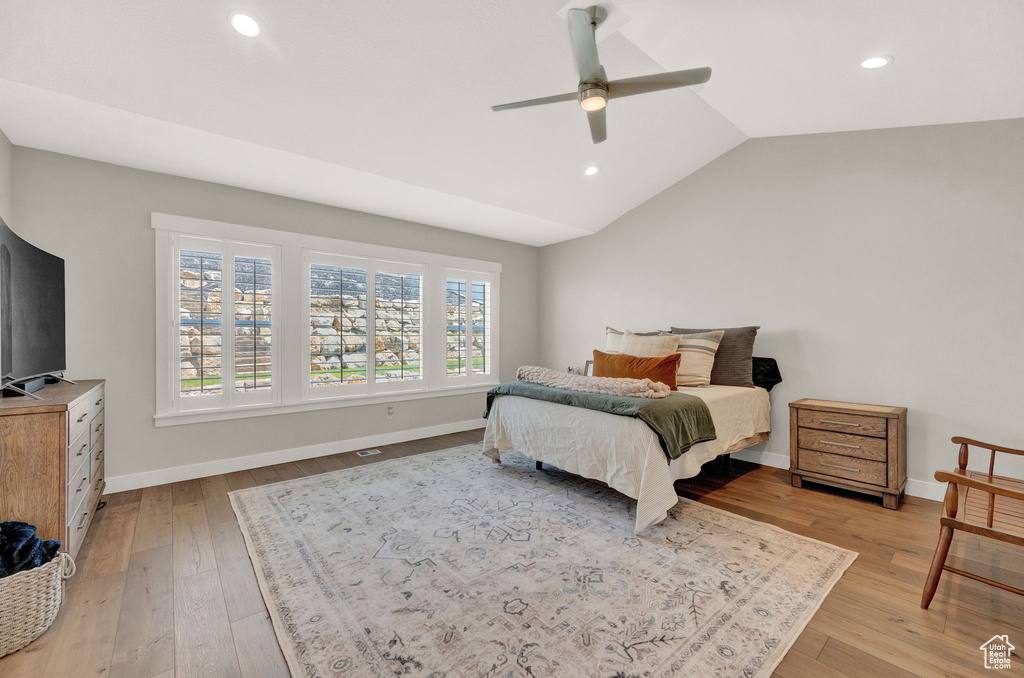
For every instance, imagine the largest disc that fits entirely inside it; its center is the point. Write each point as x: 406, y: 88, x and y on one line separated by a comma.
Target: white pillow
x: 655, y: 346
x: 612, y: 340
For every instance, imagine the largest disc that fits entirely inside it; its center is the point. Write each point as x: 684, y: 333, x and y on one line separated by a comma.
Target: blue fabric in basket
x: 21, y: 549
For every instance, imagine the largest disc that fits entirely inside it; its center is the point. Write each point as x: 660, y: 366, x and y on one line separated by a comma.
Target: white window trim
x: 290, y: 316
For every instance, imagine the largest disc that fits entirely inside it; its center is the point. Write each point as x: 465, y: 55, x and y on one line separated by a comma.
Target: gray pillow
x: 735, y: 357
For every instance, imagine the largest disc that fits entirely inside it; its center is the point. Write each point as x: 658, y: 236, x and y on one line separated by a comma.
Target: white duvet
x: 622, y: 451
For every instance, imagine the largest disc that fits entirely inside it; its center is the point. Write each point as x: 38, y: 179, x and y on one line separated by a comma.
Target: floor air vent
x: 367, y: 453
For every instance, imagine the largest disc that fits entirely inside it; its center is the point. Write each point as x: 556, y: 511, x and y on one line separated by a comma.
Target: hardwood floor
x: 165, y: 588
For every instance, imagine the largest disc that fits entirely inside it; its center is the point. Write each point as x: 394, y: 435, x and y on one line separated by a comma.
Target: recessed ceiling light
x: 245, y: 24
x: 876, y: 61
x: 592, y: 170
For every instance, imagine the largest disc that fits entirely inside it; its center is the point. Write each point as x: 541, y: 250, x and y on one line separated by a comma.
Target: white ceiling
x: 384, y: 107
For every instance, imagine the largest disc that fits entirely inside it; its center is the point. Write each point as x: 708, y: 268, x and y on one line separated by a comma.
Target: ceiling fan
x: 594, y: 89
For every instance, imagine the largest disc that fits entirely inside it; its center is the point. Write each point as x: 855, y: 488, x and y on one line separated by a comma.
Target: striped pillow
x: 696, y: 357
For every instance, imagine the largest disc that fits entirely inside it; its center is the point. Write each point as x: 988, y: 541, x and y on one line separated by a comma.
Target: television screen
x: 31, y: 309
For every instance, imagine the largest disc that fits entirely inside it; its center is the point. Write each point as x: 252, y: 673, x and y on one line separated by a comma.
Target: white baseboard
x: 915, y: 488
x: 926, y: 489
x: 762, y: 457
x: 134, y: 481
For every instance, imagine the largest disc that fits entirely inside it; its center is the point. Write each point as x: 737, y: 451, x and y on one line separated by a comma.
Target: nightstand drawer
x: 855, y: 424
x: 861, y: 470
x: 843, y: 443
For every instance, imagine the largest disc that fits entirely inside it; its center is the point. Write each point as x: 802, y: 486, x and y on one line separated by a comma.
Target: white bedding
x: 622, y: 451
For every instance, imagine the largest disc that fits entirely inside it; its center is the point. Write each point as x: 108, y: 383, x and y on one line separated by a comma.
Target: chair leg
x: 931, y: 584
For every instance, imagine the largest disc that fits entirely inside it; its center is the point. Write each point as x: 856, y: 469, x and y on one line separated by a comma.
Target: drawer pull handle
x: 845, y: 468
x: 81, y: 449
x: 84, y: 481
x: 81, y: 523
x: 99, y: 426
x: 82, y: 418
x: 826, y: 442
x: 99, y: 401
x: 838, y: 423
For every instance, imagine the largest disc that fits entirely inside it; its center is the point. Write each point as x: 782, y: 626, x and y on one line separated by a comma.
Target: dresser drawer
x: 78, y: 487
x: 850, y: 468
x: 97, y: 458
x: 78, y: 419
x: 77, y: 452
x: 95, y: 401
x: 96, y: 428
x: 78, y: 526
x: 97, y: 483
x: 856, y: 424
x: 841, y: 443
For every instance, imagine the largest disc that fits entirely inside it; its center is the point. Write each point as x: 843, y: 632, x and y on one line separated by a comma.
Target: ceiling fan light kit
x: 594, y: 89
x: 593, y: 98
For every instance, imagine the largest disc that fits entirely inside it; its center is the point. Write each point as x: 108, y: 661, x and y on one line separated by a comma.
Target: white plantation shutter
x: 200, y: 323
x: 398, y: 323
x: 254, y: 351
x: 480, y: 319
x: 456, y: 327
x: 254, y: 361
x: 470, y: 334
x: 337, y: 288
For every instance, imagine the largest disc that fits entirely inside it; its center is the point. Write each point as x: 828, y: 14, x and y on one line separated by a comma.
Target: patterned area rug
x: 447, y: 565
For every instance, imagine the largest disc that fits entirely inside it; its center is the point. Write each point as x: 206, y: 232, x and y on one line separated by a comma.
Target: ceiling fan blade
x: 598, y: 128
x: 658, y: 81
x: 584, y: 45
x: 569, y: 96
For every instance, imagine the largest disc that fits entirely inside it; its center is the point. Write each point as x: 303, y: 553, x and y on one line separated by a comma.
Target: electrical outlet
x: 390, y: 412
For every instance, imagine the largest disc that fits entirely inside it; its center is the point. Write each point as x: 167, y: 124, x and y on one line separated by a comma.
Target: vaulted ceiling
x: 385, y: 106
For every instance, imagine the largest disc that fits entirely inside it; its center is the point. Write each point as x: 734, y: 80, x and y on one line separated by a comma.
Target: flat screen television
x: 31, y: 310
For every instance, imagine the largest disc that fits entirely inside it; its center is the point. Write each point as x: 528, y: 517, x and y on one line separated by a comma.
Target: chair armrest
x: 981, y: 485
x: 988, y: 446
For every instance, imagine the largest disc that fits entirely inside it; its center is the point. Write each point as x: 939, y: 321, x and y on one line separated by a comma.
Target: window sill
x: 200, y: 416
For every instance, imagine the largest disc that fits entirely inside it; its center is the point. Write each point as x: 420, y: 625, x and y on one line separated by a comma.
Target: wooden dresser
x: 51, y: 460
x: 857, y: 447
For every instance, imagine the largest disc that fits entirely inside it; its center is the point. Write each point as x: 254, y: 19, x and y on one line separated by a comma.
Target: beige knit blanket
x: 636, y: 388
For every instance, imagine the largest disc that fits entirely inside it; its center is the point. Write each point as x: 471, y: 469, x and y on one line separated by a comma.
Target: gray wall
x: 97, y: 217
x: 884, y: 266
x: 6, y: 155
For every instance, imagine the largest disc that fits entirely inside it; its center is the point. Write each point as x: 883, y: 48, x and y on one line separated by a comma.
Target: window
x: 365, y: 325
x: 469, y: 333
x: 259, y: 321
x: 225, y: 329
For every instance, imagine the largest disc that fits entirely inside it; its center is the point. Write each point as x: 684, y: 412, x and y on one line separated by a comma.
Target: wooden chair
x: 987, y: 505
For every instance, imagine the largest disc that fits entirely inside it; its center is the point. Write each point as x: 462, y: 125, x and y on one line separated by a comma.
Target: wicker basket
x: 29, y: 602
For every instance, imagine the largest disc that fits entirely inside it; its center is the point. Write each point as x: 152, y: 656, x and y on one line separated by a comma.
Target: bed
x: 624, y: 452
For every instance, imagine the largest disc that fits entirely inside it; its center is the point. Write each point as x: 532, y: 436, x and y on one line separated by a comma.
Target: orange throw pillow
x: 632, y: 367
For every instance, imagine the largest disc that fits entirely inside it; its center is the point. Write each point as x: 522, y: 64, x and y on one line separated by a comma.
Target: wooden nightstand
x: 857, y: 447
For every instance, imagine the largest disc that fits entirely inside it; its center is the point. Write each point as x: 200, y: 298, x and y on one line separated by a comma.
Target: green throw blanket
x: 680, y: 421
